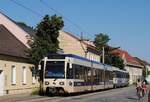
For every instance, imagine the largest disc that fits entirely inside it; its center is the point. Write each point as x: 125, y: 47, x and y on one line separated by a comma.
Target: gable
x: 71, y: 45
x: 10, y: 45
x: 16, y: 30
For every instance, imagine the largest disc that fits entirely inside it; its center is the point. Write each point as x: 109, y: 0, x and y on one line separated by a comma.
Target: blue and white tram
x: 120, y: 77
x: 68, y: 73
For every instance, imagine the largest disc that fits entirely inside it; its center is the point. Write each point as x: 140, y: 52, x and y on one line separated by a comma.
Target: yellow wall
x: 6, y: 65
x: 71, y: 45
x: 93, y: 56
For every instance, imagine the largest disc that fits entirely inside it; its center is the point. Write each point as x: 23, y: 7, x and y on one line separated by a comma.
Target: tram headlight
x: 61, y: 83
x: 46, y: 83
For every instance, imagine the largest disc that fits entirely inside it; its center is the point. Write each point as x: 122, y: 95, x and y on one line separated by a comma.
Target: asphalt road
x: 127, y: 94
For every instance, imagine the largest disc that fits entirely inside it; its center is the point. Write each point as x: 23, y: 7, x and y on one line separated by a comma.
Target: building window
x: 13, y: 75
x: 33, y: 75
x: 24, y: 75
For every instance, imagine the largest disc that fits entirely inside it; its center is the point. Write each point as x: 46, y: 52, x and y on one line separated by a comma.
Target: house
x: 74, y: 45
x: 16, y: 72
x: 131, y: 65
x: 148, y: 72
x: 146, y: 69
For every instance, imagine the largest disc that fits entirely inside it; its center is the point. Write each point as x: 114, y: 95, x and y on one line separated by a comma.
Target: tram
x: 120, y: 77
x: 68, y: 73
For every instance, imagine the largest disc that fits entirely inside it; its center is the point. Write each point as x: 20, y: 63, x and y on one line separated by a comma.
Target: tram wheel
x: 47, y: 91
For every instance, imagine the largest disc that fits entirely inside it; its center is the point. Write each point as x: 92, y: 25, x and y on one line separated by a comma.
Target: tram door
x: 1, y: 82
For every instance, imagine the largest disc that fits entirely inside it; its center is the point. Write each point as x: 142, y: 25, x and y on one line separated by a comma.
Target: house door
x: 1, y: 82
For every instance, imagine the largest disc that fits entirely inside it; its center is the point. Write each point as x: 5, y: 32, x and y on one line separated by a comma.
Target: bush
x: 35, y: 91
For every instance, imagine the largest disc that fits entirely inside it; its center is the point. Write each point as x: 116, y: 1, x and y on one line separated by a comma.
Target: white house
x: 148, y: 74
x: 131, y: 65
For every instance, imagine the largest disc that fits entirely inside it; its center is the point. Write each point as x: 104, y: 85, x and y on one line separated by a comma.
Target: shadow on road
x: 74, y: 94
x: 132, y: 98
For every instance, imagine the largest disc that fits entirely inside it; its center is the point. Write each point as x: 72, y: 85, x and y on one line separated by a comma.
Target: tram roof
x: 107, y: 67
x: 82, y: 58
x: 60, y: 56
x: 74, y: 56
x: 117, y: 69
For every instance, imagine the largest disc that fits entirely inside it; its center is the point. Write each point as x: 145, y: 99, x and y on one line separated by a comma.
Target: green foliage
x: 117, y: 62
x: 101, y: 40
x: 45, y: 40
x: 22, y: 24
x: 144, y: 72
x: 114, y: 60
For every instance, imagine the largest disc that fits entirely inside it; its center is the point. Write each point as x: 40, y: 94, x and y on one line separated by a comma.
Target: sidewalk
x: 14, y: 97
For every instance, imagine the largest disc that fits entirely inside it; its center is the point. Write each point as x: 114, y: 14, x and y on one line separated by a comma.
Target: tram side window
x: 107, y: 75
x: 102, y: 75
x: 79, y: 73
x: 111, y: 75
x: 69, y: 72
x: 128, y: 75
x: 94, y: 76
x: 118, y: 74
x: 85, y: 74
x: 89, y: 74
x: 97, y: 76
x: 122, y: 75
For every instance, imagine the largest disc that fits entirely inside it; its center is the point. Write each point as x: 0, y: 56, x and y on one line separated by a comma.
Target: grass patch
x: 35, y: 91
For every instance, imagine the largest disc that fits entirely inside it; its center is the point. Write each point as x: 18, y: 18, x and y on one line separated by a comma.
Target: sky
x: 127, y: 22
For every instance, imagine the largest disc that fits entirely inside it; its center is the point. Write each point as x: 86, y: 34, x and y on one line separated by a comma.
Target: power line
x: 40, y: 15
x: 48, y: 6
x: 27, y: 8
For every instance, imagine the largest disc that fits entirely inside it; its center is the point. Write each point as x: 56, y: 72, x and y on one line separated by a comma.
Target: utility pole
x: 103, y: 61
x: 81, y: 41
x: 103, y: 55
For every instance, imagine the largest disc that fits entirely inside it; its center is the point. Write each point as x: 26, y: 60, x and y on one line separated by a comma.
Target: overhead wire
x: 66, y: 18
x: 27, y: 8
x: 48, y: 6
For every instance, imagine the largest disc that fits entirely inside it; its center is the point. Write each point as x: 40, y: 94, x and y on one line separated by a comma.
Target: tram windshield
x: 54, y: 69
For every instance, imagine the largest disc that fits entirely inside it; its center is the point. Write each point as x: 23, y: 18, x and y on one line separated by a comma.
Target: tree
x: 117, y: 62
x: 101, y: 40
x: 22, y: 24
x: 144, y: 72
x: 45, y: 40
